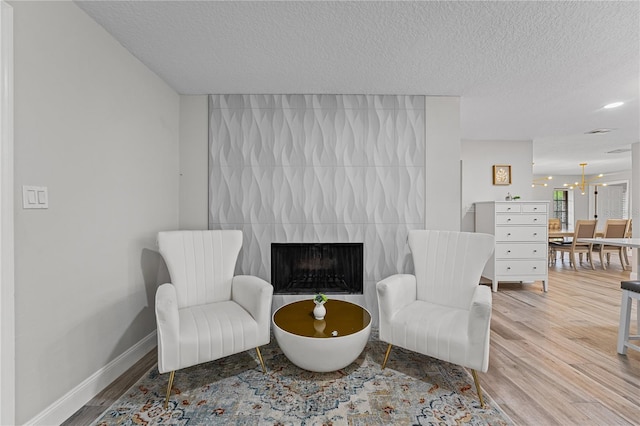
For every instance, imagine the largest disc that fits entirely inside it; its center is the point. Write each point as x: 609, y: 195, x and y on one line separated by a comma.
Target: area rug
x: 412, y: 390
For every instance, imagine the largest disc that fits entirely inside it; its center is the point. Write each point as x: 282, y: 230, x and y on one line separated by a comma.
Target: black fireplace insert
x: 308, y: 268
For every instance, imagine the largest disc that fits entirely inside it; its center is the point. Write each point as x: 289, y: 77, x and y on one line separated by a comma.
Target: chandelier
x: 541, y: 181
x: 585, y: 182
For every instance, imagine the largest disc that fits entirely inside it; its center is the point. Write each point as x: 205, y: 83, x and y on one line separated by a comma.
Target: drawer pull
x: 535, y: 219
x: 535, y: 234
x: 508, y: 251
x: 509, y: 220
x: 509, y: 234
x: 535, y: 251
x: 535, y: 267
x: 508, y: 267
x: 535, y: 208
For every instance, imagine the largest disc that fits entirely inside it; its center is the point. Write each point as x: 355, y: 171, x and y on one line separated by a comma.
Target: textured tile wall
x: 318, y: 168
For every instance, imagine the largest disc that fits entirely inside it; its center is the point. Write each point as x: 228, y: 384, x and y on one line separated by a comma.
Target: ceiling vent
x: 598, y: 131
x: 619, y: 151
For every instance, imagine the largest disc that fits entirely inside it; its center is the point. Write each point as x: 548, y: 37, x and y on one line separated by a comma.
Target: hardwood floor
x: 553, y: 355
x: 111, y: 393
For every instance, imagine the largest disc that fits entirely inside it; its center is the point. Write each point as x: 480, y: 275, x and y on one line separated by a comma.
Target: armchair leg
x: 169, y: 386
x: 264, y: 370
x: 386, y: 356
x: 477, y: 382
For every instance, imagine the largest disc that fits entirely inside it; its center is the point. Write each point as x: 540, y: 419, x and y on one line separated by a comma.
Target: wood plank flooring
x: 111, y: 393
x: 553, y: 355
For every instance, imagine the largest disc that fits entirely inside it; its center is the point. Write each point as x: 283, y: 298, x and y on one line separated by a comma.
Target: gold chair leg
x: 264, y: 370
x: 169, y: 386
x: 386, y: 356
x: 477, y: 382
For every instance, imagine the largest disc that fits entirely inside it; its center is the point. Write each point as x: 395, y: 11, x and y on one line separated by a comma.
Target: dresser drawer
x: 521, y: 219
x: 521, y: 267
x: 521, y: 250
x: 521, y: 233
x: 508, y: 207
x: 534, y: 208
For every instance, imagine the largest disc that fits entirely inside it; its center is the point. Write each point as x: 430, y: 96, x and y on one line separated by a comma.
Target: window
x: 561, y: 206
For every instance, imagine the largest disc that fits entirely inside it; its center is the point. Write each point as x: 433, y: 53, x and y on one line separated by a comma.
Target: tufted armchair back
x: 201, y: 264
x: 447, y: 265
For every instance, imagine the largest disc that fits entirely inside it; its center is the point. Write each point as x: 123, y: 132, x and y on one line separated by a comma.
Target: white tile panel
x: 318, y: 168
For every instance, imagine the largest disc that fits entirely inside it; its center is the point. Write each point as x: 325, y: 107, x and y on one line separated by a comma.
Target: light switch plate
x: 35, y: 197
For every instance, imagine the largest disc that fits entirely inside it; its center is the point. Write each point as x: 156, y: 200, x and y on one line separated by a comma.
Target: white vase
x: 319, y: 311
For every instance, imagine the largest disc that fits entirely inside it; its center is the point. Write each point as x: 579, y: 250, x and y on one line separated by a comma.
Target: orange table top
x: 344, y: 317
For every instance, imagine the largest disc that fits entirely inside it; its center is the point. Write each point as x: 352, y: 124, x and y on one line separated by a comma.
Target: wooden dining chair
x: 613, y: 228
x: 554, y: 226
x: 626, y: 250
x: 583, y: 229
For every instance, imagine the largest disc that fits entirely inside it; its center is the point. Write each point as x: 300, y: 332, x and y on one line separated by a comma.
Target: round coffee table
x: 322, y: 345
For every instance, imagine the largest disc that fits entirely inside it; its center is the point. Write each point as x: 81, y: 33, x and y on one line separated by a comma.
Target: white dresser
x: 521, y: 232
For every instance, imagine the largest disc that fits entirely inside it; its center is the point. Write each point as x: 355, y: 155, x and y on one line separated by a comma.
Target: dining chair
x: 554, y: 226
x: 583, y: 229
x: 614, y: 228
x: 626, y: 251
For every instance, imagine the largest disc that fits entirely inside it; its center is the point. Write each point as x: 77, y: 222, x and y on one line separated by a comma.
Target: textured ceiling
x: 524, y: 70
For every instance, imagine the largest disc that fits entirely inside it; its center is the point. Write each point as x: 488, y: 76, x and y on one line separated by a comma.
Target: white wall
x: 194, y: 162
x: 478, y: 158
x: 99, y: 130
x: 442, y: 121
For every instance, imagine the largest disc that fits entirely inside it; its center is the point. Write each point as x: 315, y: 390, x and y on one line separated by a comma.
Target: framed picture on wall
x: 501, y: 174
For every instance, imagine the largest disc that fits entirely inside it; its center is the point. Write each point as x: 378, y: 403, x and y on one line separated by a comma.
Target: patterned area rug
x: 412, y: 390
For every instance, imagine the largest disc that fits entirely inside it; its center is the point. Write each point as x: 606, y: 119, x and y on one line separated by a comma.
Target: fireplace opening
x: 308, y: 268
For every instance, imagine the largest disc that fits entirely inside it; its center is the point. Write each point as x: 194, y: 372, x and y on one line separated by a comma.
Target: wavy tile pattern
x: 318, y: 168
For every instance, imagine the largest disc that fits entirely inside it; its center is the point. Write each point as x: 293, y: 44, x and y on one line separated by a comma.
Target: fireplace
x: 308, y: 268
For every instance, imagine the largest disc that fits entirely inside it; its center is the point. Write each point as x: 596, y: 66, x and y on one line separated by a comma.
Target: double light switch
x: 35, y: 197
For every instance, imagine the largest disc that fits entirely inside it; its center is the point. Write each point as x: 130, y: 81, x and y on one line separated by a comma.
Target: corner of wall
x: 443, y: 166
x: 194, y: 166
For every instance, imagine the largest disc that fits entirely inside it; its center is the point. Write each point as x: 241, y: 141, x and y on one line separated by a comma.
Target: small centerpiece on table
x: 320, y: 311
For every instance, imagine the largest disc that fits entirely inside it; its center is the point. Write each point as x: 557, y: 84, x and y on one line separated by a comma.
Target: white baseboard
x: 75, y: 399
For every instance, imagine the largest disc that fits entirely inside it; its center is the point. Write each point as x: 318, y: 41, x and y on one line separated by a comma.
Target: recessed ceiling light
x: 613, y: 105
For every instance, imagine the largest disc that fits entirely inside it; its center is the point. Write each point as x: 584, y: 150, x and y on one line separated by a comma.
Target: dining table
x: 568, y: 234
x: 633, y: 243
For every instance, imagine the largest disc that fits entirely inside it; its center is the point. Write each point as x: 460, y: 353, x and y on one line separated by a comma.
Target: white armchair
x: 206, y: 313
x: 441, y: 311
